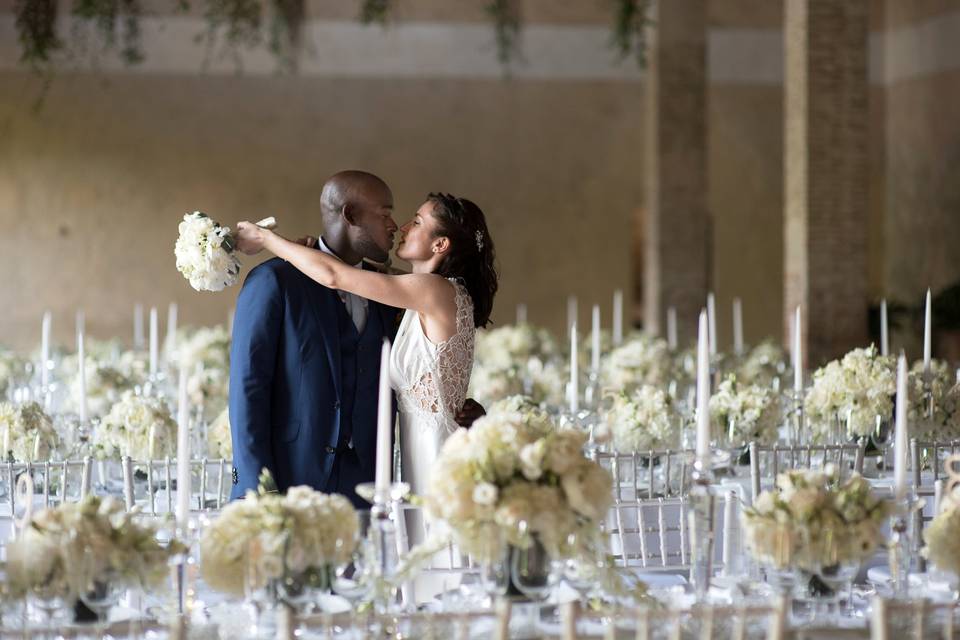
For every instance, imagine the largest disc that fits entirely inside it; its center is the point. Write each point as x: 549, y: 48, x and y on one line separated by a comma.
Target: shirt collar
x: 323, y: 247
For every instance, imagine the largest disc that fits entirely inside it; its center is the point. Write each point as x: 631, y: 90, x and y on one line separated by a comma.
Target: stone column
x: 825, y: 173
x: 677, y: 233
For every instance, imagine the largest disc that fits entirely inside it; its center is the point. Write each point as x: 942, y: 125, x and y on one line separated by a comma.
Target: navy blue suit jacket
x: 285, y: 380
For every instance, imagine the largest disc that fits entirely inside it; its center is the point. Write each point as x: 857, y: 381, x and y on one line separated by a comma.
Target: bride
x: 447, y: 297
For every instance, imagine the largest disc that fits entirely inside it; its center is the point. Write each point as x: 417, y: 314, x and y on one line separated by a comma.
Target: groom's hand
x: 307, y: 241
x: 469, y: 412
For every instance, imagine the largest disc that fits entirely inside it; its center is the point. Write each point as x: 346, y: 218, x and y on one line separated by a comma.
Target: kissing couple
x: 308, y: 330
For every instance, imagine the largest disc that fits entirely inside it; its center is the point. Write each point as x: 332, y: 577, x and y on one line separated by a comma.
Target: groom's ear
x: 349, y: 214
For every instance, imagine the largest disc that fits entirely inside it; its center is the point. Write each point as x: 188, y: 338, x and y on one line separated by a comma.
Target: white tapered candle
x: 36, y: 448
x: 183, y: 451
x: 672, y: 327
x: 900, y: 431
x: 798, y: 352
x: 572, y: 312
x: 617, y: 317
x: 712, y: 323
x: 884, y: 329
x: 384, y: 424
x: 574, y: 373
x: 138, y: 326
x: 703, y: 392
x: 154, y: 341
x: 45, y: 348
x: 82, y: 367
x: 521, y: 313
x: 170, y: 343
x: 737, y: 326
x: 927, y: 350
x: 595, y: 339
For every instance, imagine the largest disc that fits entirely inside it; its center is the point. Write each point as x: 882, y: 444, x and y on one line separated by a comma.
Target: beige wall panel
x: 92, y: 186
x: 746, y: 200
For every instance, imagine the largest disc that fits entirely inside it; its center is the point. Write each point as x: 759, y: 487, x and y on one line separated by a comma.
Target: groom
x: 305, y: 360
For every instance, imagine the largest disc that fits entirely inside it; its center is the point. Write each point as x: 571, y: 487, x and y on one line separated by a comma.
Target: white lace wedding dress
x: 431, y: 384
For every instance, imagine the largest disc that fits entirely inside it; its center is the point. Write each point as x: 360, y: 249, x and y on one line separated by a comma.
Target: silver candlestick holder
x: 701, y: 524
x: 385, y: 513
x: 900, y: 548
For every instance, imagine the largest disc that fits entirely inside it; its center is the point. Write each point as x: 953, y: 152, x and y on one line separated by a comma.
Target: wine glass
x: 580, y: 570
x: 259, y: 591
x: 48, y: 599
x: 495, y: 567
x: 353, y: 565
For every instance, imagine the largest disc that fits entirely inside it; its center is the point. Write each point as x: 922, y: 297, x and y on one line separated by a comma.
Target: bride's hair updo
x: 471, y: 256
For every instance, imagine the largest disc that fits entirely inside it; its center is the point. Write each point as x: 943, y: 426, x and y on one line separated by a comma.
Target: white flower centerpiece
x: 136, y: 426
x: 105, y: 383
x: 12, y: 370
x: 512, y: 467
x: 852, y: 392
x: 643, y: 420
x: 64, y: 549
x: 517, y: 359
x: 205, y: 252
x: 299, y: 537
x: 205, y: 355
x: 812, y: 523
x: 640, y: 360
x: 741, y: 413
x: 27, y: 433
x: 219, y: 439
x: 764, y: 363
x: 942, y: 542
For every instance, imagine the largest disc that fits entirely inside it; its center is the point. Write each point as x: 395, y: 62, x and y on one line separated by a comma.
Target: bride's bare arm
x: 426, y: 293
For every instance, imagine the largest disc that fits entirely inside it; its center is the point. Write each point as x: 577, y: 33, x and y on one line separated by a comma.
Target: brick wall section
x: 677, y: 254
x: 825, y: 173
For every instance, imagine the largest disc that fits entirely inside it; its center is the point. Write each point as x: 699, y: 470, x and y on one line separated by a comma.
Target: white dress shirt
x: 356, y: 306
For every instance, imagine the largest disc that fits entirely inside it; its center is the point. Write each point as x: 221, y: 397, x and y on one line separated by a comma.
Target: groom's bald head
x: 357, y: 210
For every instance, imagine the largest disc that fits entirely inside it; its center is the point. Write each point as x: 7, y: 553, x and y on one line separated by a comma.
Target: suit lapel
x: 321, y: 301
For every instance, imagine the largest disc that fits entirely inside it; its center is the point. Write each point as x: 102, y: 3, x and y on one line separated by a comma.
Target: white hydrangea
x: 745, y: 412
x: 27, y: 432
x: 105, y: 384
x: 513, y: 466
x: 137, y: 426
x: 856, y: 389
x: 641, y: 360
x: 205, y: 253
x: 644, y: 420
x: 302, y: 533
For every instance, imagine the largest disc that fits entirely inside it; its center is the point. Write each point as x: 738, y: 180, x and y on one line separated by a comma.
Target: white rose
x: 485, y: 494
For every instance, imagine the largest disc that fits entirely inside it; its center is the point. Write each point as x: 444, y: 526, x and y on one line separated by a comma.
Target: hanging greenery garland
x: 629, y: 29
x: 233, y: 25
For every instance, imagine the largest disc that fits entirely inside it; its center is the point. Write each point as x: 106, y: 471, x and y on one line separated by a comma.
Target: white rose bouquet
x: 641, y: 360
x: 510, y: 467
x: 302, y: 535
x: 764, y: 363
x: 643, y: 420
x: 205, y: 252
x: 12, y: 370
x: 66, y: 547
x: 810, y: 523
x: 942, y: 542
x: 139, y: 427
x: 857, y: 388
x: 27, y: 432
x: 105, y: 385
x: 745, y: 412
x: 219, y: 439
x: 513, y: 345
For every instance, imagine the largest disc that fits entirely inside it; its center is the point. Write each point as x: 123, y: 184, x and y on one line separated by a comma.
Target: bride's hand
x: 250, y: 237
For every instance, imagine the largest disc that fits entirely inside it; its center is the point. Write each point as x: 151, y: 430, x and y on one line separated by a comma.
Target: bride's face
x: 418, y: 237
